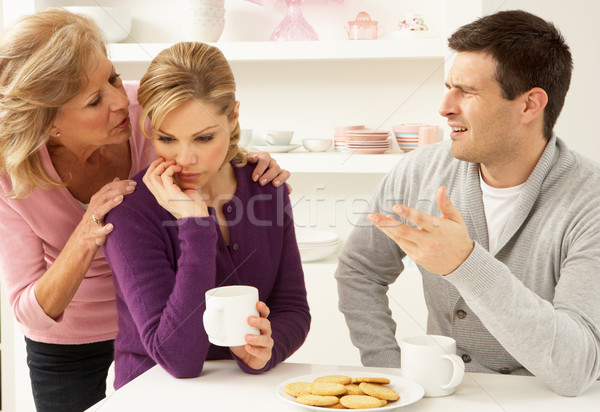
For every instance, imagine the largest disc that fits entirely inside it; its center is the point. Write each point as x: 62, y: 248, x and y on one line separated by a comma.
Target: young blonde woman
x: 69, y: 143
x: 196, y: 222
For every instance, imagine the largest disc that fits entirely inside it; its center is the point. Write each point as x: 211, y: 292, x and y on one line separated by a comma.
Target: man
x: 509, y: 251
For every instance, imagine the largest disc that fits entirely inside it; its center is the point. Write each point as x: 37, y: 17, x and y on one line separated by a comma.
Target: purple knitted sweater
x: 162, y: 268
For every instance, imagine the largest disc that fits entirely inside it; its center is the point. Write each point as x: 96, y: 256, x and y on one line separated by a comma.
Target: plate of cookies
x: 352, y: 390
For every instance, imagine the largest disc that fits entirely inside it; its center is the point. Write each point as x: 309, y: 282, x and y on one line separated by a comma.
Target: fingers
x: 263, y: 309
x: 262, y: 159
x: 418, y: 218
x: 107, y: 198
x: 446, y: 207
x: 395, y: 230
x: 263, y: 324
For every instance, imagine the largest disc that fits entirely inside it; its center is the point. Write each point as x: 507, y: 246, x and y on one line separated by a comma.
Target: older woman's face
x: 98, y: 115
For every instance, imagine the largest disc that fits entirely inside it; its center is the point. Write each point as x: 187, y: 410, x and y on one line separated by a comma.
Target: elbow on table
x: 184, y: 370
x: 571, y: 386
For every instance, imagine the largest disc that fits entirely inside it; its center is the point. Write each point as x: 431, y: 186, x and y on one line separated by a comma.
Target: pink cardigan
x: 34, y: 230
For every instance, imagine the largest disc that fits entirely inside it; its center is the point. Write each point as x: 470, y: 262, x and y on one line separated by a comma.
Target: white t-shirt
x: 498, y: 205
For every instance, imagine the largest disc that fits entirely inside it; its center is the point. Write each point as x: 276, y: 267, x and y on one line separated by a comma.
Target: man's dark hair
x: 529, y: 52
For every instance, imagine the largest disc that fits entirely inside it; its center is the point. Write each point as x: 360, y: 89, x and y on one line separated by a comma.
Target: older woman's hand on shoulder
x: 92, y: 227
x: 268, y: 170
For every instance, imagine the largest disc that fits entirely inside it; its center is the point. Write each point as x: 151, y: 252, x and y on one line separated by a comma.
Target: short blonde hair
x: 44, y: 59
x: 185, y: 71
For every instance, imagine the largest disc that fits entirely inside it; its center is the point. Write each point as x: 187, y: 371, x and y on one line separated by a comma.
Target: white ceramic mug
x: 226, y: 315
x: 431, y: 361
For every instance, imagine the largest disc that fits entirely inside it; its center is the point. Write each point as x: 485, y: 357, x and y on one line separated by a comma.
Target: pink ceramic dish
x: 367, y: 138
x: 368, y: 150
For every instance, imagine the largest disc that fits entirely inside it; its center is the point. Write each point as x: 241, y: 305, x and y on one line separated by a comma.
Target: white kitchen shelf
x: 296, y: 51
x: 336, y: 162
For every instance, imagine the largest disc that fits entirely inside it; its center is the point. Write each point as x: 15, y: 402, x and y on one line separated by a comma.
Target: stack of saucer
x: 367, y: 141
x: 315, y: 244
x: 339, y: 134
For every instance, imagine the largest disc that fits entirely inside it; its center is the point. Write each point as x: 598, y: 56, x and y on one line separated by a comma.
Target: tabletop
x: 223, y: 387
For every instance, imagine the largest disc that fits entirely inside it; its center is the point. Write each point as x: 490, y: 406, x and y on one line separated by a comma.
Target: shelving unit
x: 337, y: 162
x: 295, y: 51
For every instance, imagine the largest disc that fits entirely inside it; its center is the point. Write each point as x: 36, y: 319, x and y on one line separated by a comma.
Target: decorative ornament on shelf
x: 294, y: 26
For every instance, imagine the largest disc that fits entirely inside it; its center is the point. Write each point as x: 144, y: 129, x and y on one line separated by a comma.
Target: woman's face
x: 98, y: 115
x: 196, y: 137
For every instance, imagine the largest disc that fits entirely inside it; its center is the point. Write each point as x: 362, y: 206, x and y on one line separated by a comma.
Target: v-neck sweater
x: 163, y: 267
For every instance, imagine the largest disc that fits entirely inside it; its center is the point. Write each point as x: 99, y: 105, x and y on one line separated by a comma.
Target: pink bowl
x: 407, y: 127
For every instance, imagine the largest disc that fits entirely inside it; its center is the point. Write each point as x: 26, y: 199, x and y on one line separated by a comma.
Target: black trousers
x: 68, y: 378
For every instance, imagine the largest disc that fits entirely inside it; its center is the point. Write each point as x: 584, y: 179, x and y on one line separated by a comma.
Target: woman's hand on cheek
x: 259, y: 348
x: 159, y: 178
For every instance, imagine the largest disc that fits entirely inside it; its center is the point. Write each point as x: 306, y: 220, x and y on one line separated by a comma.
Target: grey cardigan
x: 533, y: 308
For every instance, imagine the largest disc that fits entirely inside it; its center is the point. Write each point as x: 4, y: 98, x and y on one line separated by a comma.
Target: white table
x: 224, y: 387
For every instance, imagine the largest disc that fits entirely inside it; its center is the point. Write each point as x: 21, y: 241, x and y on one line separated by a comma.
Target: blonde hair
x: 185, y: 71
x: 44, y: 59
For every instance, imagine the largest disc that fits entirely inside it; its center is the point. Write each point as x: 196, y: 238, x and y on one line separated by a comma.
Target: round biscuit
x: 353, y: 389
x: 371, y: 379
x: 317, y: 400
x: 360, y: 402
x: 297, y: 388
x: 379, y: 391
x: 341, y: 379
x: 327, y: 388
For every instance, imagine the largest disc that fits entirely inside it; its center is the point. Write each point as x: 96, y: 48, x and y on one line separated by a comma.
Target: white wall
x: 578, y: 22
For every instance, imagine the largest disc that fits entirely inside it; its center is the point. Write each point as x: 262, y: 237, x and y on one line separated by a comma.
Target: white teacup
x: 226, y: 315
x: 431, y: 361
x: 278, y: 137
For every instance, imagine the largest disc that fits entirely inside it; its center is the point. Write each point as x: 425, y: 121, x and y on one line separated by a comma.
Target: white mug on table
x: 227, y: 311
x: 431, y: 361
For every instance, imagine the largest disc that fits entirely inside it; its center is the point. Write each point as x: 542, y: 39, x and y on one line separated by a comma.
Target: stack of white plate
x: 315, y: 244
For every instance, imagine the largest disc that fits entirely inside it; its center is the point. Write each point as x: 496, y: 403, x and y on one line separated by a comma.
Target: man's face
x: 484, y: 124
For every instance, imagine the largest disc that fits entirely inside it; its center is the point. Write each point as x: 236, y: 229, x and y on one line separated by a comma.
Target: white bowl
x: 207, y: 11
x: 310, y: 254
x: 208, y: 3
x: 204, y: 29
x: 245, y: 137
x: 278, y: 137
x: 115, y: 22
x: 316, y: 145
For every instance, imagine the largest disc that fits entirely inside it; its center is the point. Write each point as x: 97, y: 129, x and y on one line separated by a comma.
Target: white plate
x: 276, y: 149
x: 314, y: 236
x: 409, y: 391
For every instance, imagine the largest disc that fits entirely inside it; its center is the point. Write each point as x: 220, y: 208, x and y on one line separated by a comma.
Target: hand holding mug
x: 258, y: 348
x: 234, y: 317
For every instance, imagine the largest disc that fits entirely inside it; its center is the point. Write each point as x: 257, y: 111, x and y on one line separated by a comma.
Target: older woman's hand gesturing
x: 92, y: 225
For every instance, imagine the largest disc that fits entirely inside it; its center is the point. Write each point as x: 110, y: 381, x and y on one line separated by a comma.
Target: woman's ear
x: 236, y: 115
x: 54, y: 132
x: 536, y: 100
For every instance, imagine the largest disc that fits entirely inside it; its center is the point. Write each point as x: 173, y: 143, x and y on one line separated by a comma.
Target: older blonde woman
x: 69, y: 142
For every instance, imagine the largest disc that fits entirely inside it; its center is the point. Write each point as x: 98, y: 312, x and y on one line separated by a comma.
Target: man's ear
x: 535, y: 100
